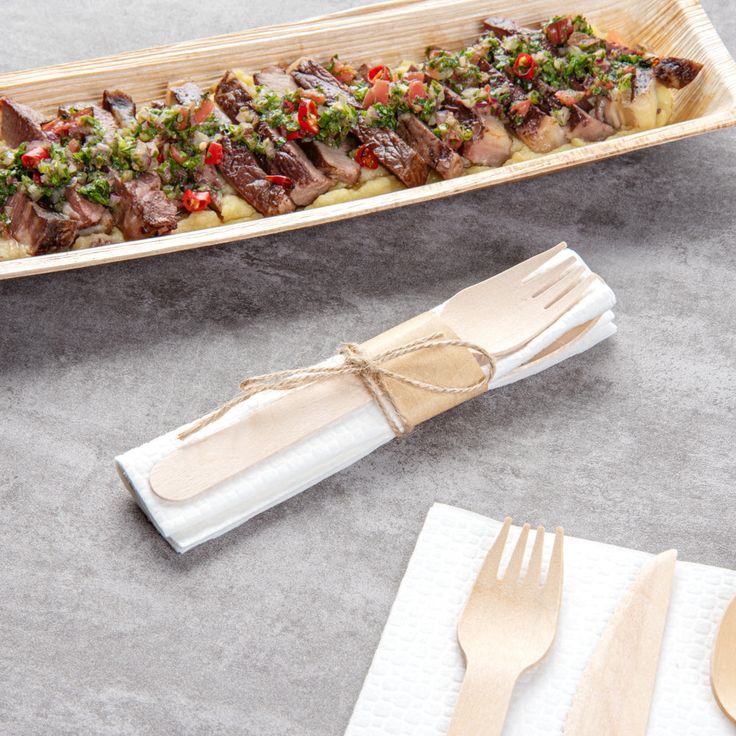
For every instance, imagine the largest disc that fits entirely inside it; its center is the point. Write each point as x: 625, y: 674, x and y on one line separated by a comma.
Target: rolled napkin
x: 417, y: 670
x: 379, y: 389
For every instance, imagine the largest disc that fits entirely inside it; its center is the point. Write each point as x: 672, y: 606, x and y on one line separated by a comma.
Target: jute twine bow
x: 370, y: 370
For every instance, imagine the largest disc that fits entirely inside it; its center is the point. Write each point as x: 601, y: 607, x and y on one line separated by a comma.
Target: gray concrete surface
x: 269, y: 630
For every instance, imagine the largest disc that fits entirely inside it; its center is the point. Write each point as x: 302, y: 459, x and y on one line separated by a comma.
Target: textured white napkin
x: 414, y: 680
x: 186, y: 524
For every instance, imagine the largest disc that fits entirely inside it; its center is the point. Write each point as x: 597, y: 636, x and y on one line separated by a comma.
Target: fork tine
x: 526, y: 269
x: 540, y: 281
x: 568, y: 298
x: 514, y: 568
x: 565, y: 283
x: 489, y: 570
x: 534, y: 571
x: 553, y: 584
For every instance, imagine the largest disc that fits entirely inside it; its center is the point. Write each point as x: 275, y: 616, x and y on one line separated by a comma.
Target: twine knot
x: 372, y: 372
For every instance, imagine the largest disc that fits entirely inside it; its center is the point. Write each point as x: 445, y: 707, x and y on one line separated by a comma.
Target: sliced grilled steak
x: 492, y: 147
x: 491, y: 142
x: 676, y: 73
x: 144, y: 210
x: 92, y: 217
x: 41, y: 230
x: 184, y: 94
x: 333, y: 161
x: 20, y: 123
x: 232, y: 96
x: 289, y: 160
x: 309, y: 74
x: 277, y: 79
x: 120, y: 105
x: 242, y: 171
x: 391, y: 150
x: 503, y: 27
x: 433, y: 150
x: 396, y: 155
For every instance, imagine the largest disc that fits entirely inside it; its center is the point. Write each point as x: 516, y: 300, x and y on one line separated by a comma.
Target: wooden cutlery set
x: 509, y: 623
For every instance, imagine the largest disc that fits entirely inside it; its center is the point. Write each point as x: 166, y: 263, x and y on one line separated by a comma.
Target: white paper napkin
x: 186, y: 524
x: 414, y: 680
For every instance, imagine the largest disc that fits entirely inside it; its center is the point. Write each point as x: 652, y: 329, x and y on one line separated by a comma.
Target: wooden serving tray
x: 388, y: 32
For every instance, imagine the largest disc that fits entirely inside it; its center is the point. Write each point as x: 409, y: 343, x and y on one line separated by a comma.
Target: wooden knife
x: 616, y: 688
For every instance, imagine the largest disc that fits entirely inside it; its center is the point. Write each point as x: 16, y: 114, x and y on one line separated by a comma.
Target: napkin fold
x: 416, y: 673
x: 185, y: 524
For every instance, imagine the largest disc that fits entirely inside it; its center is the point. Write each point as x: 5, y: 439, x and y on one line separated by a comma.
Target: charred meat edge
x: 39, y: 229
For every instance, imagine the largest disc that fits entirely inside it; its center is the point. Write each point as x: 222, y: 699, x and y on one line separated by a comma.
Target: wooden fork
x: 507, y: 626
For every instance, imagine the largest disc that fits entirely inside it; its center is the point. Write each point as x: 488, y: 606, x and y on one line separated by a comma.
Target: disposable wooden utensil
x: 723, y: 664
x: 507, y: 626
x: 616, y: 688
x: 501, y: 314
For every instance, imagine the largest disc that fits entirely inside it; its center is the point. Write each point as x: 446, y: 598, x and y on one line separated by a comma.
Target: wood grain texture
x: 398, y: 29
x: 723, y: 664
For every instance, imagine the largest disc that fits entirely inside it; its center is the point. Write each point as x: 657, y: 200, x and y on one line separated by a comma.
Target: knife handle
x: 483, y: 701
x: 198, y: 466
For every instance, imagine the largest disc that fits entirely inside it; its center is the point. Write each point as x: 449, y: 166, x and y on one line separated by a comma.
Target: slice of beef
x: 206, y: 177
x: 333, y: 161
x: 503, y: 27
x: 289, y: 160
x: 40, y: 229
x: 277, y: 79
x: 242, y: 171
x: 433, y: 150
x: 676, y: 73
x: 309, y: 74
x: 232, y: 96
x: 20, y: 123
x: 390, y: 149
x: 184, y: 94
x: 91, y: 216
x: 120, y: 106
x: 492, y: 147
x: 143, y: 209
x: 395, y: 154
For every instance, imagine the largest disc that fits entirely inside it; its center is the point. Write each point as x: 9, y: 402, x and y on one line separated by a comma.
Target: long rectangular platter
x: 390, y: 31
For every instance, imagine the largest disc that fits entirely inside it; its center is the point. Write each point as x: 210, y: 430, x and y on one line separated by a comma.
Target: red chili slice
x: 379, y: 72
x: 366, y: 157
x: 203, y: 111
x: 293, y: 135
x: 214, y: 154
x: 283, y: 181
x: 308, y: 117
x: 525, y: 66
x: 31, y: 159
x: 560, y: 31
x: 196, y: 201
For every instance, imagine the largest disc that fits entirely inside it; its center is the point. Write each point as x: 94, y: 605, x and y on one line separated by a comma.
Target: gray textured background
x: 269, y: 630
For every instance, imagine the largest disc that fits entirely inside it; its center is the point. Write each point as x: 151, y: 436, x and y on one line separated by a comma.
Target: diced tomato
x: 560, y: 31
x: 414, y: 76
x: 521, y: 108
x: 74, y: 145
x: 214, y: 154
x: 379, y: 72
x: 293, y: 135
x: 366, y: 157
x: 313, y: 94
x: 416, y: 89
x: 569, y: 97
x: 31, y: 158
x: 283, y: 181
x: 196, y: 201
x: 183, y: 123
x: 177, y: 155
x: 379, y: 92
x: 308, y: 117
x: 203, y: 111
